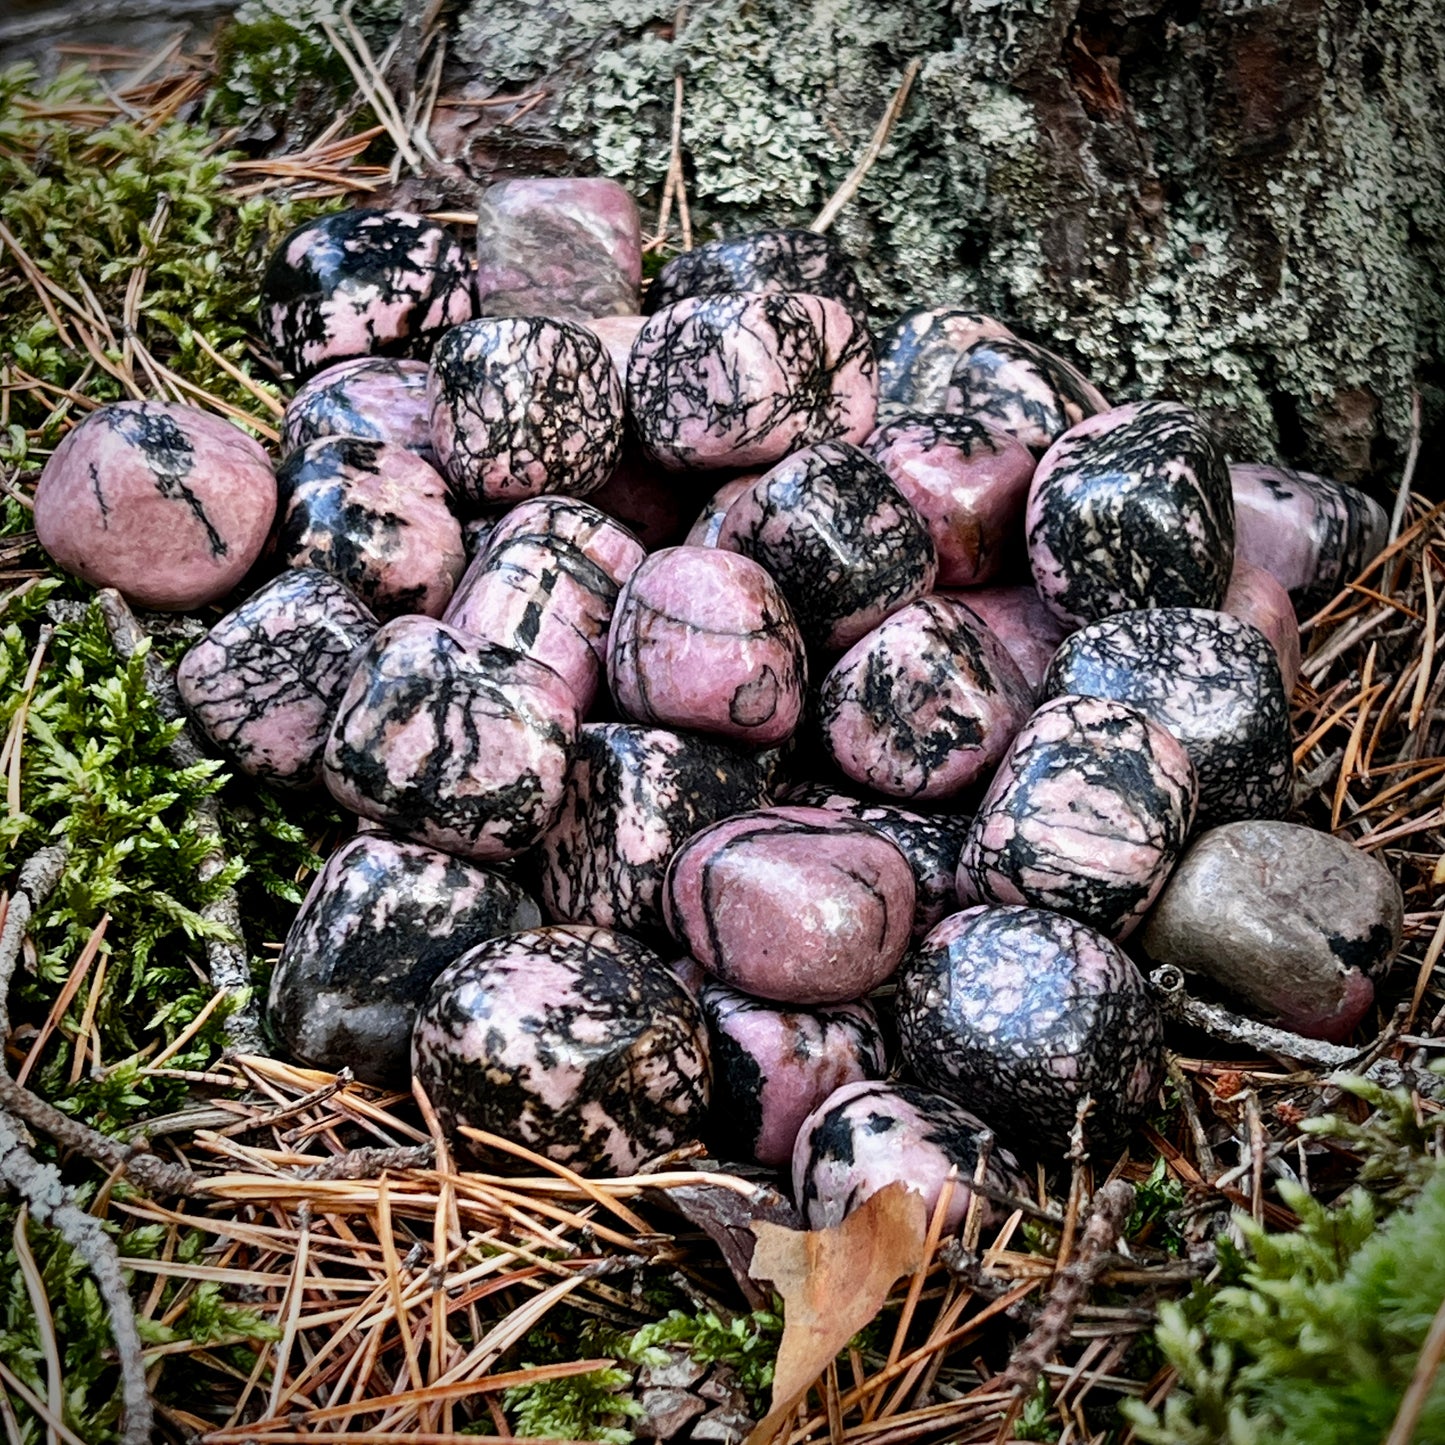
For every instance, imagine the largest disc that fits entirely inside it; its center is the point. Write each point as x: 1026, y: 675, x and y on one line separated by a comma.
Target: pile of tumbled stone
x: 959, y: 677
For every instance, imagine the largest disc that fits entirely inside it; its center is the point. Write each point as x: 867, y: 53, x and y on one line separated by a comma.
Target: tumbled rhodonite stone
x: 924, y: 704
x: 634, y: 796
x: 523, y: 405
x: 456, y: 743
x: 846, y: 548
x: 781, y: 260
x: 744, y: 378
x: 1131, y: 509
x: 648, y: 501
x: 773, y: 1066
x: 558, y: 246
x: 705, y: 640
x: 867, y: 1135
x: 376, y: 517
x: 382, y: 919
x: 1020, y: 1014
x: 917, y: 354
x: 264, y: 681
x: 1086, y: 815
x: 381, y: 398
x: 1209, y: 678
x: 705, y: 531
x: 1310, y: 533
x: 1259, y: 599
x: 546, y: 585
x: 167, y: 504
x: 362, y: 283
x: 801, y: 905
x: 1018, y: 618
x: 969, y: 483
x: 576, y: 1042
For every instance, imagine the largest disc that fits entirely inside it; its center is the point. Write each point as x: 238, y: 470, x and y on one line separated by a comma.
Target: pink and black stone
x: 1023, y: 1013
x: 546, y: 587
x: 705, y: 640
x: 924, y: 705
x: 376, y: 517
x: 577, y: 1042
x: 743, y: 378
x: 362, y: 283
x: 380, y: 398
x: 1018, y: 618
x: 1022, y: 389
x: 381, y: 920
x: 917, y: 354
x: 773, y: 1066
x: 1259, y: 599
x: 866, y: 1136
x: 1131, y: 509
x: 708, y: 526
x: 969, y: 483
x: 654, y: 505
x: 1086, y: 815
x: 523, y: 405
x: 634, y: 796
x: 263, y: 683
x: 167, y: 504
x: 801, y: 905
x: 458, y: 744
x: 844, y: 545
x: 1209, y: 678
x: 784, y: 260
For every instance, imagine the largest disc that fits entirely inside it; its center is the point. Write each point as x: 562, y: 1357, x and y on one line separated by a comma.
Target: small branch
x: 1407, y: 475
x: 369, y: 1163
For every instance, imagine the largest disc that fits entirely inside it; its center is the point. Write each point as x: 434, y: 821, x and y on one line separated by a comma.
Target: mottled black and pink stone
x: 844, y: 545
x: 362, y: 283
x: 381, y: 398
x: 523, y: 405
x: 743, y: 378
x: 458, y: 744
x: 708, y: 526
x: 1019, y: 1014
x: 866, y: 1136
x: 1018, y: 618
x: 924, y: 705
x: 801, y: 905
x: 381, y: 920
x: 1131, y: 509
x: 577, y: 1042
x: 1259, y: 599
x: 376, y: 517
x: 634, y: 796
x: 705, y: 640
x: 265, y: 680
x: 165, y: 503
x: 917, y: 354
x: 1209, y: 678
x: 773, y: 1066
x: 1086, y: 815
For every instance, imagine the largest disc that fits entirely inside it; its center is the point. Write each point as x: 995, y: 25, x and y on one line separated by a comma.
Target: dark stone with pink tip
x: 800, y: 905
x: 458, y: 744
x: 362, y: 283
x: 576, y: 1042
x: 917, y: 355
x: 381, y: 920
x: 1209, y: 678
x: 1257, y: 598
x: 265, y: 680
x: 380, y: 398
x: 1018, y: 618
x: 1020, y: 1013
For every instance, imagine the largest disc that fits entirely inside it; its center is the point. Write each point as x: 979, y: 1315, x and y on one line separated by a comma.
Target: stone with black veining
x: 917, y: 354
x: 381, y: 920
x: 1209, y: 678
x: 634, y: 796
x: 1293, y: 923
x: 362, y: 283
x: 1259, y: 599
x: 381, y: 398
x: 708, y: 526
x: 705, y: 640
x: 165, y: 503
x: 376, y: 517
x: 265, y: 680
x: 1020, y: 1013
x: 844, y: 545
x: 772, y: 1066
x: 743, y: 378
x: 1131, y: 509
x: 1018, y: 618
x: 576, y: 1042
x: 924, y: 705
x: 1086, y: 815
x: 801, y: 905
x: 524, y: 405
x: 458, y: 744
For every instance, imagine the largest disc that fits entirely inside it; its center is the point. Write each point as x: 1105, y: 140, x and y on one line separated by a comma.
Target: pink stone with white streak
x: 708, y: 527
x: 1018, y: 618
x: 1257, y: 598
